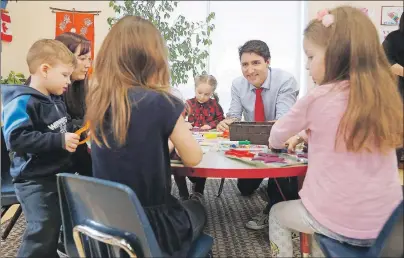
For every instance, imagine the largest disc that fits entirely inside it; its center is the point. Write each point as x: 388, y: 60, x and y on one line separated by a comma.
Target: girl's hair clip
x: 325, y: 17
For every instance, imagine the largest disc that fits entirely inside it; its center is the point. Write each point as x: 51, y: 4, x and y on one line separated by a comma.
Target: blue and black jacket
x: 34, y: 126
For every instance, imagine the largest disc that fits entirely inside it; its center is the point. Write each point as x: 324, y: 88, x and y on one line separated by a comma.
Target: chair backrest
x: 101, y: 209
x: 5, y: 161
x: 390, y: 241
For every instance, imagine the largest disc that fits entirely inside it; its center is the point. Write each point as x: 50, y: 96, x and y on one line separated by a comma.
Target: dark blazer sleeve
x: 389, y: 49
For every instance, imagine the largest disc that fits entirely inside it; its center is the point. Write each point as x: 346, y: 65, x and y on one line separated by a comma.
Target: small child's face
x: 315, y: 60
x: 203, y: 92
x: 58, y: 78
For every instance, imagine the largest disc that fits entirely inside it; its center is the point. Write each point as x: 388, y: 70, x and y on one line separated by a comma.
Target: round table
x: 217, y: 165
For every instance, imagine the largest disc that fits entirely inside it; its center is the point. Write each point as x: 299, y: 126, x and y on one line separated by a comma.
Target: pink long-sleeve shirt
x: 352, y: 194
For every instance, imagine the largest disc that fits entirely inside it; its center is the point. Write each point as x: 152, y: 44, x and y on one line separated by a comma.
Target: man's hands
x: 71, y: 141
x: 224, y: 124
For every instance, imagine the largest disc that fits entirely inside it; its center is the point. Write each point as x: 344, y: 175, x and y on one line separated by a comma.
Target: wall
x: 374, y: 12
x: 274, y: 22
x: 33, y: 20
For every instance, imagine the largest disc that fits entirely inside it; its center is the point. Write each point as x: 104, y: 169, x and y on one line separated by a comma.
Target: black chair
x: 105, y: 219
x: 389, y: 243
x: 8, y: 197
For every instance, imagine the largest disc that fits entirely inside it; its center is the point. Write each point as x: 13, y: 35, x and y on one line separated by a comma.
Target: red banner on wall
x: 80, y: 23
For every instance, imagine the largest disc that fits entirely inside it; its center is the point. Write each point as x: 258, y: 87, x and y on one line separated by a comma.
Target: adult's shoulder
x: 240, y: 82
x: 284, y: 80
x: 394, y: 39
x: 281, y: 75
x: 394, y: 34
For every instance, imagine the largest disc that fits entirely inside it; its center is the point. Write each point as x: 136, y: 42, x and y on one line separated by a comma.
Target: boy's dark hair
x: 258, y: 47
x: 401, y: 26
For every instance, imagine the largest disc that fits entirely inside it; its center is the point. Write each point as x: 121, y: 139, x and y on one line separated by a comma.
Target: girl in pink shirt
x: 353, y: 122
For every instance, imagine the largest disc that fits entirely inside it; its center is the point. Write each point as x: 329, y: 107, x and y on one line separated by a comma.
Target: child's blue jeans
x: 40, y: 204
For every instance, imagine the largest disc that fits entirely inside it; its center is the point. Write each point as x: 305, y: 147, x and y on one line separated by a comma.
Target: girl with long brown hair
x: 353, y: 121
x: 132, y: 117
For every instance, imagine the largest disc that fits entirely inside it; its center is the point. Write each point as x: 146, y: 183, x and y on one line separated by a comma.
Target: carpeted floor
x: 226, y: 218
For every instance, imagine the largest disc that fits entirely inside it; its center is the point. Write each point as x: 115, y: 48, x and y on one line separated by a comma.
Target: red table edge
x: 240, y: 173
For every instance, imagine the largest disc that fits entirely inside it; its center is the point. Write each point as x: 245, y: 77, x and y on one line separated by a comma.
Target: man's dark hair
x: 402, y: 23
x: 257, y: 47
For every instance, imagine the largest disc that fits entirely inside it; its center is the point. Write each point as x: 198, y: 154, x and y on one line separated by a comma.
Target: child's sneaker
x: 197, y: 197
x: 61, y: 250
x: 258, y: 222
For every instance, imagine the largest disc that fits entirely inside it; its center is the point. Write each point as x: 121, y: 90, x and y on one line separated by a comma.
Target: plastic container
x: 255, y: 132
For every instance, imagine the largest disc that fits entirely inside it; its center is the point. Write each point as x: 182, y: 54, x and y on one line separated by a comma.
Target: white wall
x: 279, y: 23
x: 275, y: 22
x: 33, y: 20
x: 192, y: 11
x: 374, y: 12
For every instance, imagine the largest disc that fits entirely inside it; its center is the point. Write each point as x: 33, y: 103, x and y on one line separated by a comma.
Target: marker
x: 236, y: 142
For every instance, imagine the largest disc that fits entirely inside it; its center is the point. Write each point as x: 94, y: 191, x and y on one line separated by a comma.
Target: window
x: 278, y: 23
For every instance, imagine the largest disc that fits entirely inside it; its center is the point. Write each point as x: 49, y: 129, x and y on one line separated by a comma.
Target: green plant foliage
x: 13, y: 78
x: 187, y: 41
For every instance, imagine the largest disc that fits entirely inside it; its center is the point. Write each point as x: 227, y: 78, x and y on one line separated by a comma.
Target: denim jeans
x: 40, y: 203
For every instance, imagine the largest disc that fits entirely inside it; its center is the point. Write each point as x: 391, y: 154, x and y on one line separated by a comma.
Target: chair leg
x: 11, y: 223
x: 221, y: 187
x: 304, y: 245
x: 4, y: 209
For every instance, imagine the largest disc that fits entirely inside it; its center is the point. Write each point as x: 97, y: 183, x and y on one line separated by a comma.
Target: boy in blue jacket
x: 37, y: 134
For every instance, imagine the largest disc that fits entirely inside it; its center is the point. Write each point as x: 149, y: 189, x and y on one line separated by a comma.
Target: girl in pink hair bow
x: 325, y: 17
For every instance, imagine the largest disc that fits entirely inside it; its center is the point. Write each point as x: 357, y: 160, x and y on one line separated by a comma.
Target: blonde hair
x: 210, y: 80
x: 133, y: 54
x: 49, y: 51
x: 374, y: 115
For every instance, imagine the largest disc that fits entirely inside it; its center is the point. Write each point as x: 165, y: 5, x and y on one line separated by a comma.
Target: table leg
x: 221, y: 187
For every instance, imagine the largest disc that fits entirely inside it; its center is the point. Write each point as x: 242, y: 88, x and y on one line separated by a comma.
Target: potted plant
x: 13, y: 78
x: 187, y: 41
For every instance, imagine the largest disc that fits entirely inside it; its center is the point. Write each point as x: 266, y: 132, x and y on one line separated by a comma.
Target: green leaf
x: 183, y: 37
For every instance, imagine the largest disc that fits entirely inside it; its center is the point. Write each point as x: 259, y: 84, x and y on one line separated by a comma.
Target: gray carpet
x: 226, y: 218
